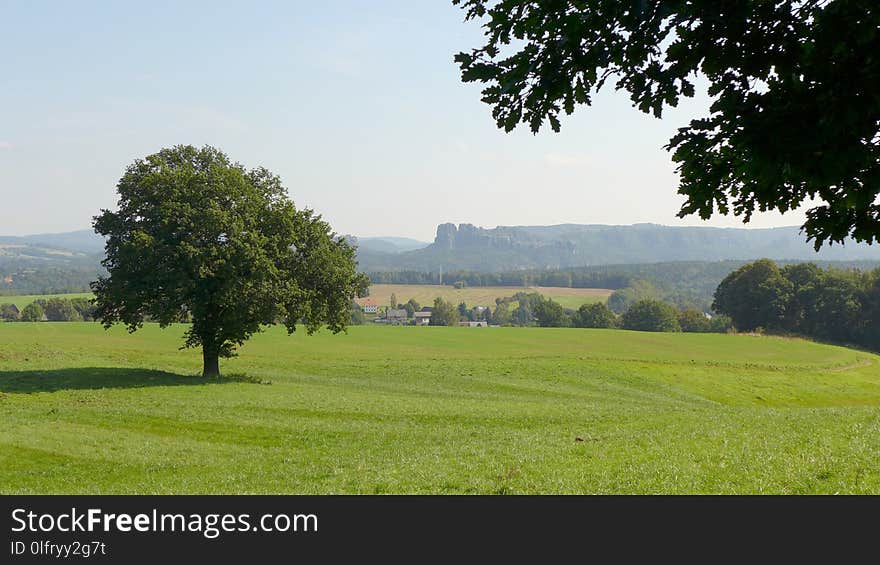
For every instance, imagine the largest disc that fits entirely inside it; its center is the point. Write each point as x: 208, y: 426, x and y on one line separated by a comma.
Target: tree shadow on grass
x: 95, y: 378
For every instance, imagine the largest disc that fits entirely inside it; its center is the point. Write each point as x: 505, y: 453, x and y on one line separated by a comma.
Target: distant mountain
x: 389, y: 244
x: 508, y: 248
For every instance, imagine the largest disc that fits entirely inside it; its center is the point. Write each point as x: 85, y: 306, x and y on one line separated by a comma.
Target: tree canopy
x: 33, y: 312
x: 595, y: 315
x: 550, y: 314
x: 61, y: 310
x: 693, y: 320
x: 444, y: 313
x: 837, y: 305
x: 755, y: 296
x: 199, y: 237
x: 795, y: 113
x: 651, y: 316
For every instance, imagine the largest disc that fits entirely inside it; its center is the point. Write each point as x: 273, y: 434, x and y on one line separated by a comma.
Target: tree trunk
x: 212, y: 363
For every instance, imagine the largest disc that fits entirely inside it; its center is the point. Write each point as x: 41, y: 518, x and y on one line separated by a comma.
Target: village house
x: 370, y: 306
x: 422, y: 318
x: 396, y: 316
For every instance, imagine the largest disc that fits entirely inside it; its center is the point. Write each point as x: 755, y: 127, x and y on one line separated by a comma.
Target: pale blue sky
x: 357, y: 105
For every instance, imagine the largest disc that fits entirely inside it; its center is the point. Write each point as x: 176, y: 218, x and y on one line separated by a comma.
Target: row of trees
x: 835, y: 305
x: 51, y: 309
x: 647, y: 315
x: 533, y: 309
x: 682, y: 296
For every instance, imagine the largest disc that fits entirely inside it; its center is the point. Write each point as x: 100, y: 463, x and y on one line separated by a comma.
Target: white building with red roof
x: 370, y: 307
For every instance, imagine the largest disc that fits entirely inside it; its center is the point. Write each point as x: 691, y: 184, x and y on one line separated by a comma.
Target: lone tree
x: 795, y: 114
x: 199, y: 237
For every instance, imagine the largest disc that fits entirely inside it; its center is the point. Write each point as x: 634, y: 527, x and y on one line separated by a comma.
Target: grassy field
x: 23, y: 300
x: 435, y: 410
x: 482, y: 296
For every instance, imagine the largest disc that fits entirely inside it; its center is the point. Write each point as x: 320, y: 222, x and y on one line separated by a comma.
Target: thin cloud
x: 5, y: 145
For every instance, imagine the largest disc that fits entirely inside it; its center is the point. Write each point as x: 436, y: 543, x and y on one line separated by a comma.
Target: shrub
x: 61, y: 310
x: 693, y: 320
x: 720, y: 324
x: 358, y: 318
x: 84, y: 308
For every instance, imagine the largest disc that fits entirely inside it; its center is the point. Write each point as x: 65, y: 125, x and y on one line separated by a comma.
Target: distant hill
x: 90, y: 243
x: 80, y: 241
x: 388, y: 244
x: 507, y: 248
x: 78, y: 248
x: 49, y: 263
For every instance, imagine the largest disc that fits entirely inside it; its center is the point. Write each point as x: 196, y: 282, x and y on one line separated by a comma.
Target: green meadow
x: 435, y: 410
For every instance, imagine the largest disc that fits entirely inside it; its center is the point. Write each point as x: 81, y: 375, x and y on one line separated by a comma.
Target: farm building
x: 370, y: 306
x: 480, y: 324
x: 422, y: 318
x: 396, y: 316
